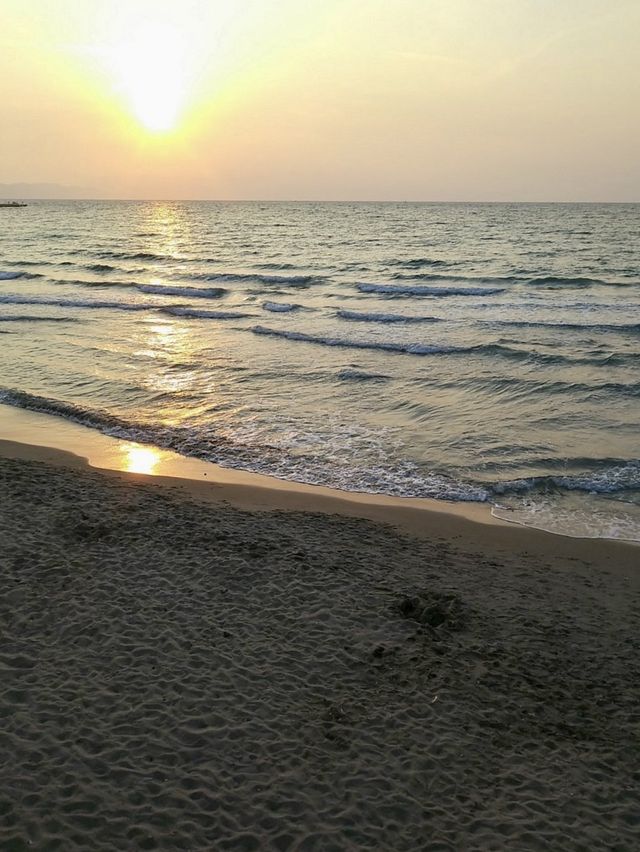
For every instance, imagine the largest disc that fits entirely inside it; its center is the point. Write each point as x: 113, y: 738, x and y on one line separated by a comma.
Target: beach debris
x: 335, y: 721
x: 81, y: 525
x: 436, y: 611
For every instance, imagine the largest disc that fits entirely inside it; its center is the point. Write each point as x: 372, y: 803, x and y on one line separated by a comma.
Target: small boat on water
x: 12, y: 204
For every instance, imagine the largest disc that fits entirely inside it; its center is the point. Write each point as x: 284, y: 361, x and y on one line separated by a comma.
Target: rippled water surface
x: 461, y: 351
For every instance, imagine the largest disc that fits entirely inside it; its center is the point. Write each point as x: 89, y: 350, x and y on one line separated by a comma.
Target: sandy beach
x: 319, y: 409
x: 180, y: 671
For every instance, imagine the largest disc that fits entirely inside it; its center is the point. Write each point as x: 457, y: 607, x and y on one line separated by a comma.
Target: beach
x: 191, y: 665
x: 319, y: 409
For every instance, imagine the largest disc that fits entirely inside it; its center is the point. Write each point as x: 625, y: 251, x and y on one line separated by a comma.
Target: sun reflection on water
x: 138, y: 459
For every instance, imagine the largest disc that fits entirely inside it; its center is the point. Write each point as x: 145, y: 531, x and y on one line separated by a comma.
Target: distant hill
x: 40, y: 190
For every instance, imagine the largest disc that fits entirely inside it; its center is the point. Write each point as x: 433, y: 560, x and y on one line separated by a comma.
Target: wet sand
x: 188, y: 665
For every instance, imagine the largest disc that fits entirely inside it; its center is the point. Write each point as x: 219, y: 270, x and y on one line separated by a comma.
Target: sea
x: 463, y: 352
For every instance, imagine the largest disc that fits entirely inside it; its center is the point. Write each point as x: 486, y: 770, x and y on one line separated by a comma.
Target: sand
x: 182, y: 673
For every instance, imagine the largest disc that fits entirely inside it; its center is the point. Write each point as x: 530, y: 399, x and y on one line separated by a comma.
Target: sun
x: 151, y: 73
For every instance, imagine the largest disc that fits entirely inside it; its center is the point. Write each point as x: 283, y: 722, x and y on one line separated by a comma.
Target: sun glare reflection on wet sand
x: 137, y: 459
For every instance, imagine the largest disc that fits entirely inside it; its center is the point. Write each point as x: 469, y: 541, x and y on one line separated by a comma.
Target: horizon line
x: 166, y: 200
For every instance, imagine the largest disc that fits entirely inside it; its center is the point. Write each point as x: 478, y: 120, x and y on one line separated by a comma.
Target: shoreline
x: 467, y: 525
x: 46, y: 437
x: 102, y: 451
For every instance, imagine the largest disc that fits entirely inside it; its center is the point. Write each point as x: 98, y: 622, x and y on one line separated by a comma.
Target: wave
x: 554, y: 282
x: 361, y: 376
x: 440, y: 277
x: 280, y: 307
x: 417, y: 290
x: 198, y: 314
x: 175, y: 310
x: 29, y: 318
x: 139, y: 255
x: 623, y: 328
x: 95, y: 419
x: 530, y: 387
x: 419, y: 262
x: 151, y: 289
x: 483, y: 349
x: 606, y: 476
x: 287, y: 280
x: 12, y: 276
x: 12, y: 299
x: 611, y: 478
x: 314, y: 468
x: 197, y: 292
x: 359, y: 316
x: 240, y: 277
x: 599, y: 359
x: 101, y: 267
x: 223, y: 277
x: 94, y: 285
x: 408, y: 348
x: 277, y: 266
x: 551, y: 282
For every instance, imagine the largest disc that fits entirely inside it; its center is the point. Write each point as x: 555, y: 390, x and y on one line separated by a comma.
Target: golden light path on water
x: 139, y: 459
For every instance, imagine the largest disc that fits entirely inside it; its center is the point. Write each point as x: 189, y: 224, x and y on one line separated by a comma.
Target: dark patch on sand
x: 439, y: 613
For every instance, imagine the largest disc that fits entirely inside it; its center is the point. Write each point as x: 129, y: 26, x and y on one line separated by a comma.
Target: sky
x: 434, y: 100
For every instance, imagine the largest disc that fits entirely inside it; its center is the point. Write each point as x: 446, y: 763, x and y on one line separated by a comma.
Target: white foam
x: 279, y: 307
x: 610, y: 479
x: 576, y: 516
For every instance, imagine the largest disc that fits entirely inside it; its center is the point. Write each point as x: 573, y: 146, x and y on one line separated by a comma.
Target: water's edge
x: 48, y: 431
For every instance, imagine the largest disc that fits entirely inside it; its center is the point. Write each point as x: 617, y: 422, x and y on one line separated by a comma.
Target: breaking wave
x: 610, y: 476
x: 312, y: 468
x: 605, y: 476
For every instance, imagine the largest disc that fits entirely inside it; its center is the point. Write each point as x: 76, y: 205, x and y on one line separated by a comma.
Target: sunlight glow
x: 139, y: 459
x: 152, y: 72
